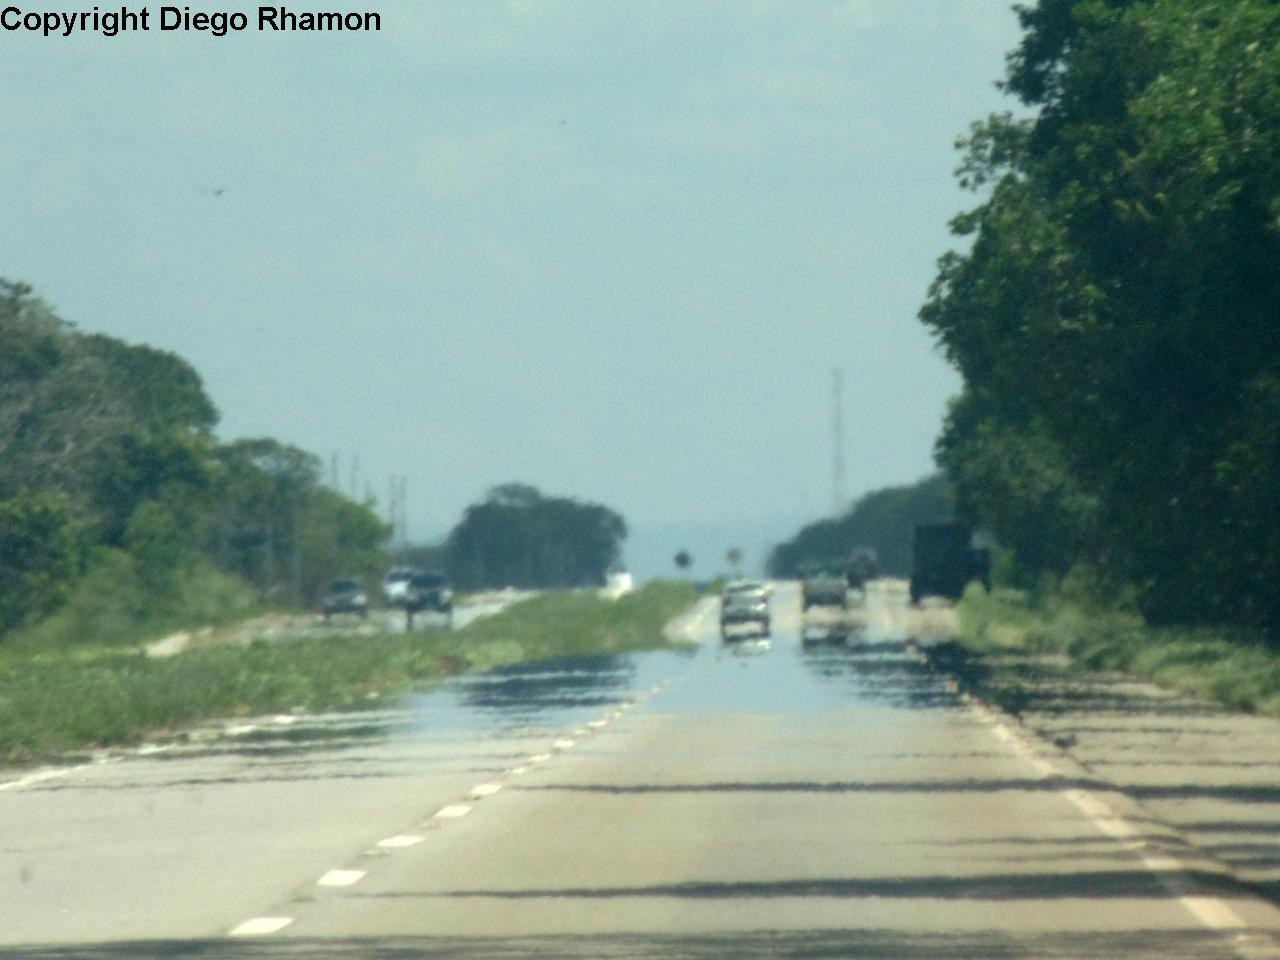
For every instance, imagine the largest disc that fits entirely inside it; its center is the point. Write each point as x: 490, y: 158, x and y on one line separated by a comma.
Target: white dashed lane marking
x: 453, y: 811
x: 261, y: 926
x: 341, y: 878
x: 400, y: 841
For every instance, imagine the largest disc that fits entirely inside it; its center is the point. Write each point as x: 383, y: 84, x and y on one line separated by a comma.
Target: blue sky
x: 612, y: 249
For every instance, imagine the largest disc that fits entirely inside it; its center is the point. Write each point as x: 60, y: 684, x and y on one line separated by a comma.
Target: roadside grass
x: 1230, y: 666
x: 111, y: 606
x: 57, y: 702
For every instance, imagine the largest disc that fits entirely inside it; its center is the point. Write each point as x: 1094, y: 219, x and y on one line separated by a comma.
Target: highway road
x: 776, y: 798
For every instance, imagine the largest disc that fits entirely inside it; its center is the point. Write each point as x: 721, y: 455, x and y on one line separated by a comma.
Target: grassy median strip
x: 1230, y: 666
x: 55, y: 703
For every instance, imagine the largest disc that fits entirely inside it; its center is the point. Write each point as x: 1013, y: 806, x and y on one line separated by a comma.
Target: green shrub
x: 1232, y: 666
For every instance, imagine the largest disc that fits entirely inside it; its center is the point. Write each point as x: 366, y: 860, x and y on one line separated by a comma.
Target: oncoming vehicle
x: 743, y: 608
x: 344, y: 595
x: 863, y: 566
x: 824, y: 587
x: 428, y: 592
x: 746, y: 587
x: 395, y: 583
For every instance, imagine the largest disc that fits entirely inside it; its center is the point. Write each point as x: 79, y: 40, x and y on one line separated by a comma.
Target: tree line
x: 1114, y: 315
x: 108, y: 460
x: 882, y: 521
x: 112, y: 481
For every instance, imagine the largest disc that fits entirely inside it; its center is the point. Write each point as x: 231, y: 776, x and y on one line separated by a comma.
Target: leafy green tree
x: 107, y: 452
x: 277, y: 527
x: 104, y: 423
x: 41, y: 553
x: 162, y: 548
x: 337, y: 537
x: 1114, y: 315
x: 1011, y: 479
x: 518, y: 537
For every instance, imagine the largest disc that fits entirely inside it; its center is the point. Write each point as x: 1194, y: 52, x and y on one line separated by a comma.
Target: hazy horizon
x: 611, y: 252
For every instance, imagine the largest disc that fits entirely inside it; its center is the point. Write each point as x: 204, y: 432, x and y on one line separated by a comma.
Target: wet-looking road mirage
x: 787, y: 796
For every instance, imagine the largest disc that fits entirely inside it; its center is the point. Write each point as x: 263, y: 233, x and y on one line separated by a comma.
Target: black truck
x: 427, y: 592
x: 945, y: 561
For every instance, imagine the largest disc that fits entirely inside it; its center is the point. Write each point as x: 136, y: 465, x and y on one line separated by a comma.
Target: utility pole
x: 837, y: 437
x: 403, y: 501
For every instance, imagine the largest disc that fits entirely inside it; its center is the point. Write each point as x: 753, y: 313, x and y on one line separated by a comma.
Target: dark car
x: 428, y: 592
x: 345, y: 596
x: 824, y: 587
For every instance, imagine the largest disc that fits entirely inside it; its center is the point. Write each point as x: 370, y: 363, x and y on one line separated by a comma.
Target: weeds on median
x: 54, y: 703
x: 1230, y: 666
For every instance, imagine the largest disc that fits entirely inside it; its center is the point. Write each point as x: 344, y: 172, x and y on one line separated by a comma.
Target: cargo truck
x: 945, y: 561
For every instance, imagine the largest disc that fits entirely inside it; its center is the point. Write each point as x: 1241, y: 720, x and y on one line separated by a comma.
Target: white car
x: 744, y: 608
x: 395, y: 585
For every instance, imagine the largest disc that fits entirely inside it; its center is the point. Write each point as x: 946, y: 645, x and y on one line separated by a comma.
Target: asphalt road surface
x: 781, y: 798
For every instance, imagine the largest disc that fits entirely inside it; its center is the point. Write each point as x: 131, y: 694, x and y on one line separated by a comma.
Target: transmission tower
x: 837, y: 441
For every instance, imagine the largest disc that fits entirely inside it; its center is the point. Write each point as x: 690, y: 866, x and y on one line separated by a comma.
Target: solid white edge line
x: 40, y: 777
x: 260, y: 926
x: 1212, y: 912
x: 340, y: 878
